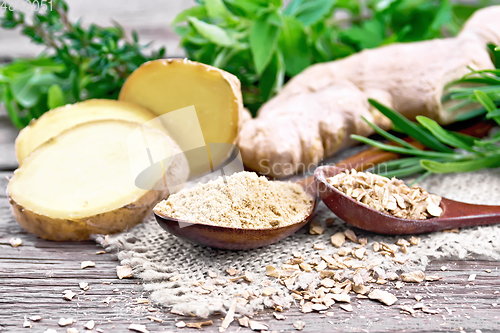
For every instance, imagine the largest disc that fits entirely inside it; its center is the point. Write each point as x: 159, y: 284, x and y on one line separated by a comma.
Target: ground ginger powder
x: 243, y: 200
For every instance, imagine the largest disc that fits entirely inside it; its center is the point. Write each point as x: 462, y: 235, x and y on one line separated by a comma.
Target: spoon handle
x: 461, y: 214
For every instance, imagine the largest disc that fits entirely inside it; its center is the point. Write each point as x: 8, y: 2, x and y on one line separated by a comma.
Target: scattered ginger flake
x: 228, y: 319
x: 338, y: 239
x: 278, y: 316
x: 315, y: 228
x: 138, y: 328
x: 415, y: 276
x: 248, y: 276
x: 65, y: 321
x: 414, y: 240
x: 346, y: 307
x: 243, y: 321
x: 68, y: 295
x: 256, y: 326
x: 86, y: 264
x: 199, y: 325
x: 433, y: 278
x: 319, y: 246
x: 299, y: 325
x: 383, y: 296
x: 272, y: 271
x: 124, y: 272
x: 152, y: 318
x: 351, y: 235
x: 89, y: 325
x: 15, y: 242
x: 268, y: 291
x: 232, y: 271
x: 26, y: 323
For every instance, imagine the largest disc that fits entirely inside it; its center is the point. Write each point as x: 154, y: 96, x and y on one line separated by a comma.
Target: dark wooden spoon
x: 455, y: 214
x: 243, y: 239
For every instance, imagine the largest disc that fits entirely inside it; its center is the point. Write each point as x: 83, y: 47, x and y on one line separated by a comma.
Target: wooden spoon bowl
x: 236, y: 238
x: 455, y: 214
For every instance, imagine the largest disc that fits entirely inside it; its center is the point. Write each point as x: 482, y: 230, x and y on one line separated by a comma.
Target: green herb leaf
x: 403, y: 172
x: 293, y: 42
x: 405, y: 151
x: 461, y: 166
x: 23, y: 91
x: 212, y: 32
x: 493, y: 114
x: 263, y: 40
x: 55, y: 97
x: 443, y: 135
x: 273, y: 76
x: 410, y: 128
x: 388, y: 135
x: 488, y: 104
x: 217, y: 10
x: 310, y: 12
x: 196, y: 11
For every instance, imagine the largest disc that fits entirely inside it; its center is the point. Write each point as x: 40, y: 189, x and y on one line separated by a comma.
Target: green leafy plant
x: 264, y: 43
x: 79, y: 63
x: 449, y: 151
x: 464, y: 91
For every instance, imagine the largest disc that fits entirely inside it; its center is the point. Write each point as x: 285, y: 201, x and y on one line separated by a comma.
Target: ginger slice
x: 165, y: 86
x: 80, y: 182
x: 56, y: 121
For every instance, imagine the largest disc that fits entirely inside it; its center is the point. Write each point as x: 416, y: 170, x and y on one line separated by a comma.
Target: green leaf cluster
x: 449, y: 151
x: 79, y: 63
x: 464, y: 92
x: 265, y: 43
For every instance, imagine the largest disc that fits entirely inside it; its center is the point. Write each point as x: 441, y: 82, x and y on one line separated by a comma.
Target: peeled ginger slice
x: 60, y: 119
x: 83, y: 181
x: 164, y: 86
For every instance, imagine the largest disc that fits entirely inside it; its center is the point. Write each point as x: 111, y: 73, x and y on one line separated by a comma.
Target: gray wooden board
x: 34, y: 275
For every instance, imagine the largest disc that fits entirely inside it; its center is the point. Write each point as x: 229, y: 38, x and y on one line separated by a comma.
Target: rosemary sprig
x: 451, y: 152
x: 78, y: 63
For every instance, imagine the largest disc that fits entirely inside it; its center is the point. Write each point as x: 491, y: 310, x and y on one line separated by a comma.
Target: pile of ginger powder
x: 243, y: 200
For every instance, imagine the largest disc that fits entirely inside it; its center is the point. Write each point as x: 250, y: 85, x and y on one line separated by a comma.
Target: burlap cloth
x: 156, y: 256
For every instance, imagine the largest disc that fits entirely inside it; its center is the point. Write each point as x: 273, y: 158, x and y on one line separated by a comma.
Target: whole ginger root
x: 315, y: 113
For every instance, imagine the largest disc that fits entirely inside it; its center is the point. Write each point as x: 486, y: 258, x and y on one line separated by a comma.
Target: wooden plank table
x: 34, y: 275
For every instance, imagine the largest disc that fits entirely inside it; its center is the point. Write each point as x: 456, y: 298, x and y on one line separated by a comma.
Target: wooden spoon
x: 243, y: 239
x: 455, y: 214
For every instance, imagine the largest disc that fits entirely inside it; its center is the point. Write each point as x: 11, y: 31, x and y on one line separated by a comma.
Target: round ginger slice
x: 164, y: 86
x: 82, y: 182
x: 53, y: 122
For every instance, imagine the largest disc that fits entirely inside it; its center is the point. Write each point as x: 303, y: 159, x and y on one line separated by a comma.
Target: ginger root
x: 315, y: 113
